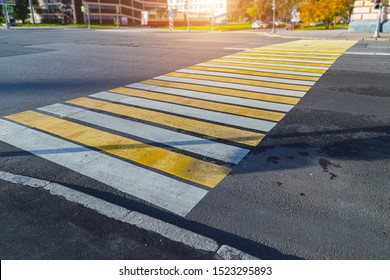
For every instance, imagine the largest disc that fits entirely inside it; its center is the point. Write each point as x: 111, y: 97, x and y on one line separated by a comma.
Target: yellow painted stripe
x: 225, y: 91
x: 255, y: 73
x: 309, y: 51
x: 290, y: 57
x: 192, y: 169
x: 261, y: 60
x: 204, y: 128
x: 221, y: 62
x: 208, y: 105
x: 239, y: 81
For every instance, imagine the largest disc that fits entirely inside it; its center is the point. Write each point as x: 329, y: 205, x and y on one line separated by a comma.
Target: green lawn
x: 67, y: 25
x: 217, y: 27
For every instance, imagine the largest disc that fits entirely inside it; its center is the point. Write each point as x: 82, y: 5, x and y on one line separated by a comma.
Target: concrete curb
x: 142, y: 221
x: 342, y: 36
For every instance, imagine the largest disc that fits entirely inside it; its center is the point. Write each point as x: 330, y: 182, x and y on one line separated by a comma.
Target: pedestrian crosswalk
x: 172, y: 139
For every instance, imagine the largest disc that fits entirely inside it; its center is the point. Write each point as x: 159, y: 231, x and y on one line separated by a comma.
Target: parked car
x: 293, y: 25
x: 259, y: 24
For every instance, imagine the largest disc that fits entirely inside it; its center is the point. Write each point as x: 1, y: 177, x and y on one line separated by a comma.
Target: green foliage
x: 22, y: 9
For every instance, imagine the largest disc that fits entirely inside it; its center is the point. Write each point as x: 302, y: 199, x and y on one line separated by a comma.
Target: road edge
x: 142, y: 221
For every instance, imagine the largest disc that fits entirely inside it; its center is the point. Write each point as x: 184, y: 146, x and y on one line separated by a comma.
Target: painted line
x: 230, y: 253
x: 246, y: 77
x: 294, y: 53
x: 160, y: 190
x: 292, y: 68
x: 226, y: 65
x: 207, y: 105
x: 304, y: 62
x: 256, y: 72
x: 225, y: 91
x: 243, y: 122
x: 199, y: 127
x: 239, y: 81
x: 182, y: 166
x: 101, y: 206
x: 174, y: 139
x: 364, y: 53
x: 238, y: 49
x: 291, y: 55
x: 214, y: 97
x: 139, y: 220
x: 291, y: 93
x: 274, y: 63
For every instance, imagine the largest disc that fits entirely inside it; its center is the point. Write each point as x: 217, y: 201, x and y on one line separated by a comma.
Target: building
x: 130, y: 11
x: 199, y: 8
x: 364, y: 17
x: 101, y: 11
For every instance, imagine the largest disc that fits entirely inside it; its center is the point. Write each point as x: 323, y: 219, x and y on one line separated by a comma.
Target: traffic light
x: 377, y: 4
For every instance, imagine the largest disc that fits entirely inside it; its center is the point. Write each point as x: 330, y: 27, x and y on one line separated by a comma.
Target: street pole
x: 32, y: 12
x: 6, y: 16
x: 212, y: 16
x: 273, y: 16
x: 378, y: 24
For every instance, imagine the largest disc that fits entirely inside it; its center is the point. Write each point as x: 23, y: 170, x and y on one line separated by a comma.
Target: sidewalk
x: 339, y: 34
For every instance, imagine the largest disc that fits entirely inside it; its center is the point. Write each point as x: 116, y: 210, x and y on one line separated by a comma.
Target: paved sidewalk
x: 342, y: 34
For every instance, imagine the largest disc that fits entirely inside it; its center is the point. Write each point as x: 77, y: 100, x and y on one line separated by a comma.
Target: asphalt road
x: 315, y: 188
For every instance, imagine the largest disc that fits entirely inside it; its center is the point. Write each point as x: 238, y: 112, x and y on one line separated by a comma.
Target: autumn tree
x: 323, y: 10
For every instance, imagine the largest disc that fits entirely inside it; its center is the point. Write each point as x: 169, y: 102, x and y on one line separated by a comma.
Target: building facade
x: 364, y: 17
x: 129, y: 11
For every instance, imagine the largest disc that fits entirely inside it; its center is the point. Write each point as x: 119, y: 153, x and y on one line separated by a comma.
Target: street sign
x: 10, y: 9
x: 7, y: 2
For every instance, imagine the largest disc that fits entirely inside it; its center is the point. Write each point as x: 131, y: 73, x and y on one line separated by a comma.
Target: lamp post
x: 273, y: 16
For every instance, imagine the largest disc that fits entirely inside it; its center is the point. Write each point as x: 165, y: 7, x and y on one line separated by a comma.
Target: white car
x: 259, y: 24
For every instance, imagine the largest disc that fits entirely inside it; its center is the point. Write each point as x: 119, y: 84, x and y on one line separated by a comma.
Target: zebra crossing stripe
x: 212, y: 106
x: 245, y: 77
x: 225, y: 91
x: 196, y: 145
x: 214, y: 97
x: 162, y: 191
x: 240, y: 81
x: 171, y: 139
x: 252, y: 72
x: 182, y: 166
x: 171, y: 121
x: 253, y: 67
x: 221, y: 118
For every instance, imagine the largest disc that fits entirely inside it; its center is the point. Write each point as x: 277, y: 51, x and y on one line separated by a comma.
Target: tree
x: 324, y: 10
x: 22, y: 9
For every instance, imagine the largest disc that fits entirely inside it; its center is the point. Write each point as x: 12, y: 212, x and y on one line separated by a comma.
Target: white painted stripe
x: 165, y: 192
x: 23, y: 180
x: 260, y: 69
x: 291, y: 55
x: 247, y: 77
x: 174, y: 139
x: 281, y: 51
x: 172, y: 232
x: 271, y: 64
x: 223, y: 118
x: 365, y: 53
x: 230, y: 253
x: 279, y: 59
x: 238, y: 49
x: 215, y: 97
x: 108, y: 209
x: 276, y: 91
x: 101, y: 206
